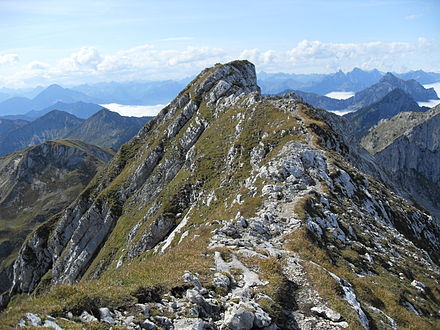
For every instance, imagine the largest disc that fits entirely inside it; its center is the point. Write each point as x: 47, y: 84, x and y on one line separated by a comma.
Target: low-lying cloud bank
x: 135, y: 110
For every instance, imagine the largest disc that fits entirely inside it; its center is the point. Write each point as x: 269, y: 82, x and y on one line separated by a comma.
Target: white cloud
x: 8, y: 59
x: 340, y: 112
x: 87, y: 58
x: 135, y: 110
x: 307, y: 51
x: 340, y: 95
x: 148, y: 56
x: 153, y: 63
x: 324, y: 57
x: 429, y: 104
x: 436, y: 87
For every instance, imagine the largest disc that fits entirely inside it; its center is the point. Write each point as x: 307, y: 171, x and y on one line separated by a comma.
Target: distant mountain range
x: 371, y: 94
x: 105, y: 128
x: 79, y: 109
x: 354, y: 81
x: 20, y: 102
x: 48, y: 97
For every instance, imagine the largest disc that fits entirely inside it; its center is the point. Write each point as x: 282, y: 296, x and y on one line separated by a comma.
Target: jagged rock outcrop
x: 387, y: 131
x: 35, y: 184
x: 233, y: 210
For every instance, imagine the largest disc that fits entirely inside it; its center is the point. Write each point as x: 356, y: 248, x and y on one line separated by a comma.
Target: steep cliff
x: 35, y: 184
x: 408, y: 146
x: 233, y: 210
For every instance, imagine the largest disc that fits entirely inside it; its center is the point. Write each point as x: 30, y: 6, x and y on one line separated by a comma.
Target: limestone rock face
x: 408, y: 146
x: 234, y: 210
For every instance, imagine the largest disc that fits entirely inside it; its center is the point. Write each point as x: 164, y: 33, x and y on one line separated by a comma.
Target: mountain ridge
x: 53, y: 125
x: 108, y: 129
x: 391, y: 104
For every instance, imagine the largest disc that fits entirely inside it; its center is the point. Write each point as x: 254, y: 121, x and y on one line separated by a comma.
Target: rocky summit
x: 231, y: 210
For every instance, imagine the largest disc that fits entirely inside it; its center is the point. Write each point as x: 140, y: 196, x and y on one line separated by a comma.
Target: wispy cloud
x: 413, y: 16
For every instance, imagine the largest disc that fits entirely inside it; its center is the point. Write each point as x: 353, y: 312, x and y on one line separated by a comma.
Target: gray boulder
x: 239, y: 319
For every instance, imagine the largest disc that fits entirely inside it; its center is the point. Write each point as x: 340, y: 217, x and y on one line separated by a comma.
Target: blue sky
x: 72, y: 42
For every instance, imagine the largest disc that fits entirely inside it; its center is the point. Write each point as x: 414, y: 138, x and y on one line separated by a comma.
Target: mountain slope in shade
x: 320, y: 101
x: 408, y: 145
x: 35, y: 184
x: 233, y: 210
x: 54, y: 125
x: 7, y: 126
x: 105, y: 128
x: 390, y: 105
x: 108, y: 129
